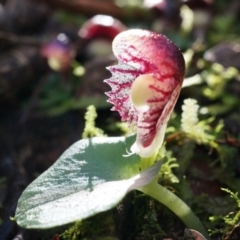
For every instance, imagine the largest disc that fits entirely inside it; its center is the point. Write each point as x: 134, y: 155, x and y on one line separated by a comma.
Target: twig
x: 21, y: 39
x: 87, y: 7
x: 175, y: 136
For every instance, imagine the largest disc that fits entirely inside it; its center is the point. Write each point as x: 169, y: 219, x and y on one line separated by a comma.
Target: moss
x: 99, y: 227
x: 90, y: 129
x: 226, y: 224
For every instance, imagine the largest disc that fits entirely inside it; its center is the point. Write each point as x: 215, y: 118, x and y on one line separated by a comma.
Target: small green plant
x: 229, y: 221
x: 90, y: 129
x: 199, y: 131
x: 166, y: 173
x: 206, y: 132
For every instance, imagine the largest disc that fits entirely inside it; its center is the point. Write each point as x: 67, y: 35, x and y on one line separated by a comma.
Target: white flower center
x: 140, y: 91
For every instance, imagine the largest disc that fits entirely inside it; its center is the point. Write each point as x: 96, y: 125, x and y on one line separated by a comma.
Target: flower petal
x: 146, y: 84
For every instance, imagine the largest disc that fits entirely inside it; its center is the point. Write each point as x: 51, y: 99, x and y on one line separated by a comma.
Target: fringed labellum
x: 145, y: 85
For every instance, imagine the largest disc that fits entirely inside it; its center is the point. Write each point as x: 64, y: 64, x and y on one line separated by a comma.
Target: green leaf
x: 90, y: 177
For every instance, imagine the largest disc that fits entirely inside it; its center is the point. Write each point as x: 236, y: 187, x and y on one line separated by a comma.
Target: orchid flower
x: 59, y: 53
x: 145, y: 85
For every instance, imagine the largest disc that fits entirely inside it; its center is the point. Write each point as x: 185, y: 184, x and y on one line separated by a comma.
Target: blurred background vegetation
x: 53, y: 59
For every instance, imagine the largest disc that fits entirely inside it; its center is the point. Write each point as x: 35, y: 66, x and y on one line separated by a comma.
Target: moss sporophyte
x: 146, y: 84
x: 145, y: 87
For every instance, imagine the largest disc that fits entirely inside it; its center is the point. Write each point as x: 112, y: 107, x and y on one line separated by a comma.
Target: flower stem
x: 147, y: 162
x: 175, y: 204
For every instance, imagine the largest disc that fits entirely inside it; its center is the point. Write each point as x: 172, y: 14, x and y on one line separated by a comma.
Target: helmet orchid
x: 145, y: 85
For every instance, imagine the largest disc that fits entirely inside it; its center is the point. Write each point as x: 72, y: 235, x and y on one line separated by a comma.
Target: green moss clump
x: 90, y: 129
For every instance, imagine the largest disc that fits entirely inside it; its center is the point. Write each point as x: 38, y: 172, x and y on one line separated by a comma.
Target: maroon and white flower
x: 145, y: 85
x: 59, y: 53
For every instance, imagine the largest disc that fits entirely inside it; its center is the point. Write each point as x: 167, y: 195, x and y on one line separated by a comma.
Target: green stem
x: 175, y: 204
x: 147, y: 162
